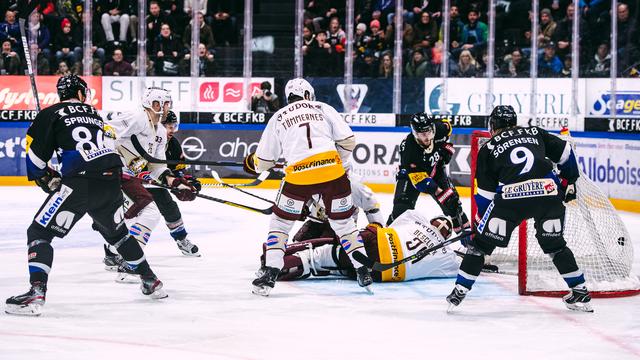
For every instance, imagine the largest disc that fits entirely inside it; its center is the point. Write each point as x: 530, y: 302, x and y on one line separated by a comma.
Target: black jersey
x: 75, y: 131
x: 518, y: 154
x: 174, y: 152
x: 415, y: 158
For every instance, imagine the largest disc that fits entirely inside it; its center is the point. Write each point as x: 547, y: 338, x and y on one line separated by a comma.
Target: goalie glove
x: 569, y: 190
x: 49, y: 182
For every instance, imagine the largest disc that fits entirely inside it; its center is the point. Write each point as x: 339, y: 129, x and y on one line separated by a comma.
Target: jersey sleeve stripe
x: 36, y: 160
x: 565, y: 154
x: 486, y: 194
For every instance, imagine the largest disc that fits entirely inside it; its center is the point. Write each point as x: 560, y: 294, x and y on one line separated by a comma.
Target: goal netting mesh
x: 594, y: 232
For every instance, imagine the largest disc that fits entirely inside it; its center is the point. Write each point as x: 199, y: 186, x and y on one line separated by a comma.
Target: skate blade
x: 188, y: 254
x: 24, y: 310
x: 159, y: 294
x: 582, y: 307
x: 368, y: 289
x: 262, y: 291
x: 111, y: 267
x: 127, y: 279
x: 451, y: 308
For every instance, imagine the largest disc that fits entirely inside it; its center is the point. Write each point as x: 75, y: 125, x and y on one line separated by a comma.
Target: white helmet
x: 299, y: 87
x: 160, y: 95
x: 443, y: 225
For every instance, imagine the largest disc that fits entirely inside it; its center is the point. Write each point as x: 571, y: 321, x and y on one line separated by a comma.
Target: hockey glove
x: 182, y: 189
x: 449, y: 202
x: 50, y: 181
x: 193, y: 182
x: 423, y: 183
x: 249, y: 165
x: 569, y: 190
x: 446, y: 152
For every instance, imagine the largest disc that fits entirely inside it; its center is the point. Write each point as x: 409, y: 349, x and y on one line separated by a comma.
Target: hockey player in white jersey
x: 144, y: 127
x: 314, y: 141
x: 408, y: 234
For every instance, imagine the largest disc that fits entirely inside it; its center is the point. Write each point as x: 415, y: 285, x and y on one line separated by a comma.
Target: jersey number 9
x: 521, y: 155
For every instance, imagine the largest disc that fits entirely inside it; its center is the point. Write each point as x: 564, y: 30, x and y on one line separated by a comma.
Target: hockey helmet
x: 160, y: 95
x: 502, y: 117
x: 443, y: 225
x: 423, y: 122
x: 69, y: 85
x: 299, y: 87
x: 171, y: 120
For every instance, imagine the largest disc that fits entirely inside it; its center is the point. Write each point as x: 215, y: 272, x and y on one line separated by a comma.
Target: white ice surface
x: 211, y: 314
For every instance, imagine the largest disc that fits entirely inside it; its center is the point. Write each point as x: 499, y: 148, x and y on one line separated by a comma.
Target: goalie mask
x: 443, y: 225
x: 423, y: 128
x: 159, y: 95
x: 299, y: 88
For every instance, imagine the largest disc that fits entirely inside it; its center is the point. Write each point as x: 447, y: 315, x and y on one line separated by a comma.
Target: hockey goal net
x: 593, y: 231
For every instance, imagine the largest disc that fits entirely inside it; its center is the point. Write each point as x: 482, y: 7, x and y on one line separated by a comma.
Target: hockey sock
x: 469, y: 270
x: 274, y: 249
x: 40, y: 255
x: 132, y: 253
x: 177, y: 230
x: 566, y: 264
x: 352, y: 243
x: 140, y: 233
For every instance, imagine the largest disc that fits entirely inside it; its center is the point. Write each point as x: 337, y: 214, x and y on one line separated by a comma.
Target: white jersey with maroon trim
x: 153, y: 139
x: 305, y: 134
x: 407, y: 235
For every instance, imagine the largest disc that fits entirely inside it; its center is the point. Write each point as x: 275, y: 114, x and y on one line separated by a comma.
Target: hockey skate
x: 457, y: 295
x: 126, y: 275
x: 151, y: 286
x: 111, y: 262
x: 364, y: 278
x: 578, y: 299
x: 187, y: 248
x: 266, y: 281
x: 29, y: 303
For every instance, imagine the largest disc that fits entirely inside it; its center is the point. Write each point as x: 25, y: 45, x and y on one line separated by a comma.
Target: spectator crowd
x: 55, y: 36
x: 324, y: 45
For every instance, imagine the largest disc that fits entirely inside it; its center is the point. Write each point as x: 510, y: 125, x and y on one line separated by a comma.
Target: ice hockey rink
x: 211, y: 314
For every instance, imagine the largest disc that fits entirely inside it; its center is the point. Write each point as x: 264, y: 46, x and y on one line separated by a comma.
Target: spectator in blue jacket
x: 549, y: 64
x: 9, y: 29
x: 39, y: 32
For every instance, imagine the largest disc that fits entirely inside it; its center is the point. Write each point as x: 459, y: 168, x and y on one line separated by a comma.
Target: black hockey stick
x: 267, y: 211
x: 25, y: 9
x: 262, y: 177
x: 364, y: 260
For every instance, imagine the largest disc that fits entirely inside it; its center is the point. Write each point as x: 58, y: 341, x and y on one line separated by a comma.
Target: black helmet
x: 421, y: 122
x: 502, y: 117
x: 171, y: 118
x: 69, y: 85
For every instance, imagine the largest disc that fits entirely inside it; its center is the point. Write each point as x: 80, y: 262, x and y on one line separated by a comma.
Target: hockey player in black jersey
x: 167, y: 206
x: 89, y: 182
x: 516, y: 181
x: 423, y: 156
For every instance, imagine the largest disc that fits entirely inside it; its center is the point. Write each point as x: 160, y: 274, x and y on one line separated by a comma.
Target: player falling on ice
x: 408, y: 234
x: 423, y: 156
x: 89, y: 182
x: 144, y: 127
x: 314, y: 141
x: 516, y: 182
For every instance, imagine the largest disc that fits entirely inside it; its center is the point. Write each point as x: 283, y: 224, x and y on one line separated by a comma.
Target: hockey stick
x: 25, y: 9
x: 266, y: 211
x: 262, y: 177
x: 364, y: 260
